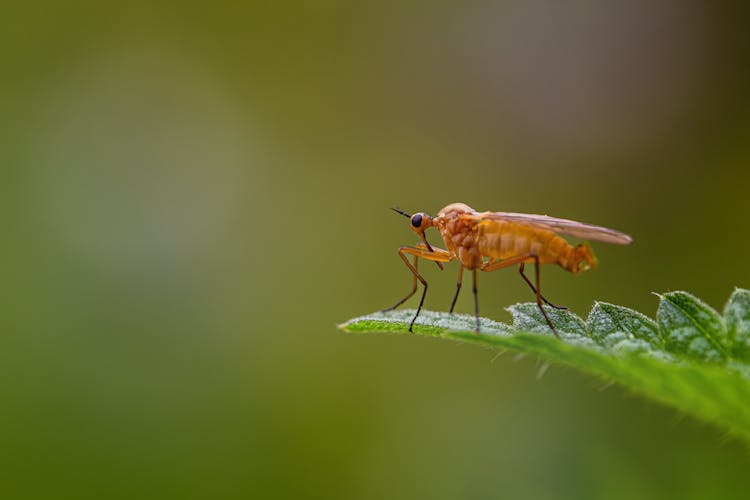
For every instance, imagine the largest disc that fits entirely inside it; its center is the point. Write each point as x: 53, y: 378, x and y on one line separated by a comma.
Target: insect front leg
x: 435, y: 250
x: 443, y: 255
x: 413, y: 285
x: 418, y: 253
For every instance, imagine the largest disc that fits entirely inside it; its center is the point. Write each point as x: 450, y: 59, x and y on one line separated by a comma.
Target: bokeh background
x: 194, y: 195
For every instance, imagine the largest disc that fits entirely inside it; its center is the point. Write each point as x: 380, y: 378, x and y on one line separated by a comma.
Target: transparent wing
x: 562, y: 226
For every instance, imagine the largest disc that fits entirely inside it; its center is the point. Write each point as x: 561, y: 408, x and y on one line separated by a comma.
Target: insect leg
x: 444, y: 256
x: 539, y: 297
x: 528, y: 281
x: 499, y: 264
x: 458, y: 286
x: 425, y: 254
x: 424, y: 291
x: 436, y: 250
x: 492, y: 266
x: 413, y: 288
x: 476, y: 298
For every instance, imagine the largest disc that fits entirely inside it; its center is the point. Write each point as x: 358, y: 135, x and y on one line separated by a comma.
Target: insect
x: 488, y: 241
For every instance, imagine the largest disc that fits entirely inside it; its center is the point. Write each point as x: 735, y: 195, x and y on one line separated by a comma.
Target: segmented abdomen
x: 503, y: 240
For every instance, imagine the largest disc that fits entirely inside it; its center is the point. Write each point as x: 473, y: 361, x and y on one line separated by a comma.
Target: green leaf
x: 527, y: 317
x: 622, y: 329
x: 737, y: 316
x: 691, y: 327
x: 691, y: 357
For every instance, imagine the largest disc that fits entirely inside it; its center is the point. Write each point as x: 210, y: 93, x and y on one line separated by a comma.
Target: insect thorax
x: 460, y: 237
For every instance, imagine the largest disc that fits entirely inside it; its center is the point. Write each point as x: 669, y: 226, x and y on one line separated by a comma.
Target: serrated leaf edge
x: 724, y: 350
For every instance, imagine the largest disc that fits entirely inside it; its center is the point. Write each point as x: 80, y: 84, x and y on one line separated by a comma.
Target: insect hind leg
x: 533, y: 289
x: 520, y: 259
x: 539, y: 296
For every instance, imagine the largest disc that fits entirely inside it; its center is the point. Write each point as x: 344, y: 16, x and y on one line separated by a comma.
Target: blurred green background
x: 194, y: 195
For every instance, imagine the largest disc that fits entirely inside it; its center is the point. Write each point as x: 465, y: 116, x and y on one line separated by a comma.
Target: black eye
x: 416, y: 221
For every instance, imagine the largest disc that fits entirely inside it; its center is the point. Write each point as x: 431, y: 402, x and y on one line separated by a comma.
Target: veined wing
x: 562, y: 226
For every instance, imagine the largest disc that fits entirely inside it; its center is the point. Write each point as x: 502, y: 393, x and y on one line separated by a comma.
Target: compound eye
x: 416, y: 220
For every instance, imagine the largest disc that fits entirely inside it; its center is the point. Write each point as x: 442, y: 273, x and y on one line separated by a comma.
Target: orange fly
x: 488, y: 241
